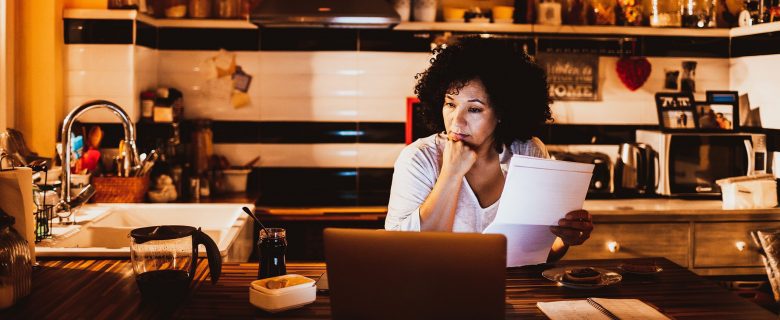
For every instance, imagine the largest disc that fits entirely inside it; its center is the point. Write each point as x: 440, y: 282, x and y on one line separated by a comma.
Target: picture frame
x: 676, y: 111
x: 719, y: 99
x: 717, y: 116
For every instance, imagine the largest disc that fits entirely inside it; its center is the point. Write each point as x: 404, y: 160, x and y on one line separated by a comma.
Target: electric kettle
x: 636, y: 169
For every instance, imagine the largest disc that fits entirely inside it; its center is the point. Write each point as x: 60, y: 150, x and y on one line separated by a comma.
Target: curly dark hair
x: 516, y: 86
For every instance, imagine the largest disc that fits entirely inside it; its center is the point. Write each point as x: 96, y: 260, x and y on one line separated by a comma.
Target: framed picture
x: 728, y: 118
x: 717, y: 116
x: 676, y: 111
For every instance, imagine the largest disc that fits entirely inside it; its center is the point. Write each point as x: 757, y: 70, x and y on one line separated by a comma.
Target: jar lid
x: 145, y: 234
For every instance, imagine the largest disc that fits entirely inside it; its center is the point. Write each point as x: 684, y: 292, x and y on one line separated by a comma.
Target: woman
x: 490, y: 100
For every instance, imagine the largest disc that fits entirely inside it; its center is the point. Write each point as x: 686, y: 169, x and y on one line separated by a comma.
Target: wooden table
x: 105, y: 289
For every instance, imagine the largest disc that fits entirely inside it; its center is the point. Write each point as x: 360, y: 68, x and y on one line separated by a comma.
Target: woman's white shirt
x: 416, y: 170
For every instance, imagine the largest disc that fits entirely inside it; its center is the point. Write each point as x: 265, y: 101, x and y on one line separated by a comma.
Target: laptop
x: 377, y: 274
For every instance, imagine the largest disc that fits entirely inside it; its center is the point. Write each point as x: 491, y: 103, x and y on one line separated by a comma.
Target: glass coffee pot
x: 164, y: 259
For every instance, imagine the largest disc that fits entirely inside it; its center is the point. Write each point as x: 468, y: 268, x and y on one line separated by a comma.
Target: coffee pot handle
x: 212, y: 253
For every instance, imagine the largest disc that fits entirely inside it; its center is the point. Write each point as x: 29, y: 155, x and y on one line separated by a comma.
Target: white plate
x: 607, y: 278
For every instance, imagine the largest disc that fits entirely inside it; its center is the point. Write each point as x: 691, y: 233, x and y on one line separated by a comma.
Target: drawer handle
x: 741, y: 245
x: 613, y: 246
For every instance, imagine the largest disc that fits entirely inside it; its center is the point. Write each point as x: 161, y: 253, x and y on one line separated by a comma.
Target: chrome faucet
x: 66, y: 201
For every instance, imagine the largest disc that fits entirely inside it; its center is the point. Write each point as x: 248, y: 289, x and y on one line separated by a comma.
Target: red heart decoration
x: 633, y: 71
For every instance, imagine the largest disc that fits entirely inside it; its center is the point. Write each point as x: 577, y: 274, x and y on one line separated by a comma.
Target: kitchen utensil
x: 252, y: 214
x: 636, y: 169
x: 252, y: 162
x: 164, y: 260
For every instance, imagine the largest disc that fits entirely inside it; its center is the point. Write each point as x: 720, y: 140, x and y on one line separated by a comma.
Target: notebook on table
x: 600, y: 309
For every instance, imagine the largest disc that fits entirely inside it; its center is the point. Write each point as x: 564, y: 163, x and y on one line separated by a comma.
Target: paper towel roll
x: 16, y: 199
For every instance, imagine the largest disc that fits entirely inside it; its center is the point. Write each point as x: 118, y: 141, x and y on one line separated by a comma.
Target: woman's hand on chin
x: 575, y: 228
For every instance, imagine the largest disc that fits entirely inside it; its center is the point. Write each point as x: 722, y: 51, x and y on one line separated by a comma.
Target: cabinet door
x: 636, y: 240
x: 727, y: 244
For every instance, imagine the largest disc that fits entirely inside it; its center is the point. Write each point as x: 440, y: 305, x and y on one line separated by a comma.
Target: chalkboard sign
x: 572, y: 77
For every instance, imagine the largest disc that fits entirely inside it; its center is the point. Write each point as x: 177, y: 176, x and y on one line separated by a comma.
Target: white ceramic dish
x: 607, y: 278
x: 276, y: 300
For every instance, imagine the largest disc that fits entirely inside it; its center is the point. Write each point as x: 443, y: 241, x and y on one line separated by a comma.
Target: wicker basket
x: 119, y: 189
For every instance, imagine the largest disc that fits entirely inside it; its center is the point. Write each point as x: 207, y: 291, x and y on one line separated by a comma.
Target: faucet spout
x: 67, y: 127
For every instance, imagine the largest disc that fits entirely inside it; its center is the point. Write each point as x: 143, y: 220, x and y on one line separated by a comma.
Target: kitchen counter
x: 644, y: 209
x: 105, y: 289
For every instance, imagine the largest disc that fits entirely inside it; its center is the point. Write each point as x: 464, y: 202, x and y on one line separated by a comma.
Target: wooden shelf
x: 564, y: 29
x: 105, y: 14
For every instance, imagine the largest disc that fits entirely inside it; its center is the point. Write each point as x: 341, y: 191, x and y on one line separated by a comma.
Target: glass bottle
x: 664, y: 13
x: 698, y: 14
x: 15, y: 264
x: 200, y: 9
x: 272, y: 247
x: 630, y: 13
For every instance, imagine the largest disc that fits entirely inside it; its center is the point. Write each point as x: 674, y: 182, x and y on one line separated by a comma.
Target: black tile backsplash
x: 307, y: 186
x: 396, y: 41
x: 207, y: 39
x: 279, y: 39
x: 93, y: 31
x: 695, y: 47
x: 756, y: 45
x: 145, y: 35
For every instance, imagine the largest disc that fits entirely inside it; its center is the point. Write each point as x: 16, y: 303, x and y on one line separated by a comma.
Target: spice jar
x: 698, y: 14
x: 175, y: 9
x: 227, y: 9
x: 15, y: 264
x: 200, y: 8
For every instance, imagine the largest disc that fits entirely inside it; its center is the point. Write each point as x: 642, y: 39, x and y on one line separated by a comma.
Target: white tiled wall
x: 757, y: 76
x: 337, y: 86
x: 300, y: 86
x: 117, y: 73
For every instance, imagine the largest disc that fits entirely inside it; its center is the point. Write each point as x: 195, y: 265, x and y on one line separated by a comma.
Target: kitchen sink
x: 104, y: 229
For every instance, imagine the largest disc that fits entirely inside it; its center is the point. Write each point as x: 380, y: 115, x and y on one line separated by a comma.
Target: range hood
x: 325, y: 14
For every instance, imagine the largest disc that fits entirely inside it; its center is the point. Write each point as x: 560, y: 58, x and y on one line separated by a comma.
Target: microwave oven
x: 690, y: 163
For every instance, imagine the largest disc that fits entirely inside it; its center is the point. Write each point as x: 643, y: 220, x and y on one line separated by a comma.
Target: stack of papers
x: 537, y: 193
x: 600, y: 309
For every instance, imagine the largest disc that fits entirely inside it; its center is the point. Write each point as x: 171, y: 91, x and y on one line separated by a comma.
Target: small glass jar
x: 200, y: 9
x: 664, y: 13
x: 175, y: 9
x: 698, y: 14
x: 272, y: 247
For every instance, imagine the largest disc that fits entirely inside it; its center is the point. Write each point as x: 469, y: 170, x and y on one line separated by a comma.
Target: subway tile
x: 297, y: 62
x: 128, y: 103
x: 386, y: 85
x: 307, y: 86
x: 395, y: 63
x: 308, y: 109
x: 378, y: 155
x: 99, y: 57
x: 99, y: 83
x: 292, y: 155
x: 388, y: 109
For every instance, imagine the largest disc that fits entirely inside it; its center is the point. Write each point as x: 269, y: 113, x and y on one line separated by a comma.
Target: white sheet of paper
x: 537, y: 193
